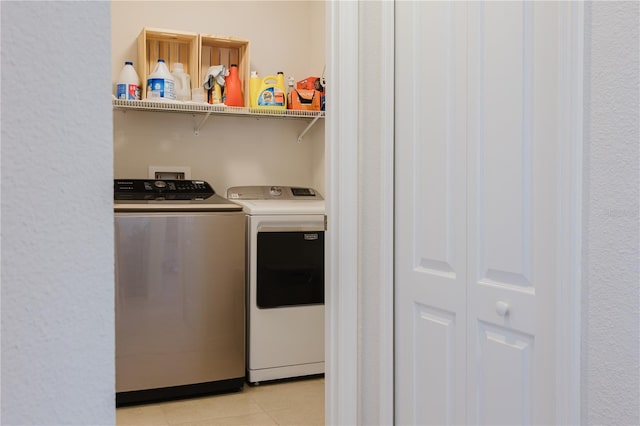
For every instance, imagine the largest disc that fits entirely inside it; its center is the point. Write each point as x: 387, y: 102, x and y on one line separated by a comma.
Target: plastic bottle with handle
x: 160, y: 83
x: 182, y: 82
x: 128, y: 84
x: 290, y: 90
x: 254, y: 87
x: 281, y: 85
x: 233, y: 88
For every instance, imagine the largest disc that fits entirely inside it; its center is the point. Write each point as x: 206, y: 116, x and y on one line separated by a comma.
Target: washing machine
x: 285, y: 280
x: 179, y: 291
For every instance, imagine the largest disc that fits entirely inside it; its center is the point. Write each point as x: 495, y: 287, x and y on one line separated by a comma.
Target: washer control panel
x: 272, y: 193
x: 145, y: 189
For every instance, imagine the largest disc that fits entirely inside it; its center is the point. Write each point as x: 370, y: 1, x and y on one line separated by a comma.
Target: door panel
x: 500, y: 83
x: 504, y: 375
x: 512, y: 203
x: 434, y: 337
x: 476, y: 212
x: 512, y: 128
x: 431, y: 218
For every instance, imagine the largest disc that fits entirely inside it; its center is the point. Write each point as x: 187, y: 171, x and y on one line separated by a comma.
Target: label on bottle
x: 271, y: 96
x: 128, y: 92
x: 161, y: 88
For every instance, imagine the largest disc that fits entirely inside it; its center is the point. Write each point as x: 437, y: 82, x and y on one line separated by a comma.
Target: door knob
x: 502, y: 308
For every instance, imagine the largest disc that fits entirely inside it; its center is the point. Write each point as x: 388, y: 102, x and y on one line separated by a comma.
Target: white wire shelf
x: 193, y: 107
x: 207, y: 110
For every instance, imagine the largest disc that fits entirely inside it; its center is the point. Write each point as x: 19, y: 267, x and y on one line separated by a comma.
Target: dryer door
x: 290, y: 268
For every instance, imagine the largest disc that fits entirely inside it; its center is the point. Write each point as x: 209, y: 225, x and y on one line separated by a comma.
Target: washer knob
x: 160, y: 184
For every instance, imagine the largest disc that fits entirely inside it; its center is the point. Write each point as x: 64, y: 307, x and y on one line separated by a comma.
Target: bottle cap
x: 128, y: 63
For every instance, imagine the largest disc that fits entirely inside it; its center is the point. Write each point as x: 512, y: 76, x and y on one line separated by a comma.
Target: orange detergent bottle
x: 233, y: 88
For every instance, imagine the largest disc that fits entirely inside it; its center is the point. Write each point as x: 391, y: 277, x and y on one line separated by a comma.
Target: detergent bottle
x: 272, y: 92
x: 254, y: 86
x: 128, y: 84
x: 216, y: 93
x: 182, y: 82
x: 233, y: 88
x: 281, y: 85
x: 160, y: 83
x: 290, y: 90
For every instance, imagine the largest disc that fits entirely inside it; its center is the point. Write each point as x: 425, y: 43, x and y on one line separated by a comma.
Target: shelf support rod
x: 309, y: 126
x: 196, y: 131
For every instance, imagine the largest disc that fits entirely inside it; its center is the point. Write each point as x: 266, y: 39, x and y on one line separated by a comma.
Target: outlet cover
x: 169, y: 172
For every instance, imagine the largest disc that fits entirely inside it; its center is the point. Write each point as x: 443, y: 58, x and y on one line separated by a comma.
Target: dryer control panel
x: 272, y: 193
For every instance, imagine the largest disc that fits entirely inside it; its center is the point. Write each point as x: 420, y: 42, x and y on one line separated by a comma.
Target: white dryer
x: 285, y: 280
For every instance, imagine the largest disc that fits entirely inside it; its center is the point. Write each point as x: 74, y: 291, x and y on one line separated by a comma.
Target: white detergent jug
x: 182, y: 82
x: 128, y: 84
x: 160, y: 83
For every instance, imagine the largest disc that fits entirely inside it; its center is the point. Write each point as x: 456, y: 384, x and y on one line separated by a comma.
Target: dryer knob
x: 276, y: 191
x: 160, y: 184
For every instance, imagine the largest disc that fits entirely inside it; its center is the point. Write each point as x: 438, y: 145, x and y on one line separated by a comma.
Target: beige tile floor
x: 296, y: 402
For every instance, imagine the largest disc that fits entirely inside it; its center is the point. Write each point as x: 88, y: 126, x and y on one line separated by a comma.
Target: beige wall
x: 284, y: 36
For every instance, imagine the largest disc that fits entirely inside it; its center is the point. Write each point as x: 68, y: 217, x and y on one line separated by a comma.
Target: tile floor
x: 295, y: 402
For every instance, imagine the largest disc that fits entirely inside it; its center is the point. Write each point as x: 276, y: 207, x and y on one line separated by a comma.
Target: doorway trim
x: 341, y: 153
x: 569, y: 246
x: 360, y: 343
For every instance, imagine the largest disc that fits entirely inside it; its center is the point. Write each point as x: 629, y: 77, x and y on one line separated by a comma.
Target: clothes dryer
x: 285, y: 280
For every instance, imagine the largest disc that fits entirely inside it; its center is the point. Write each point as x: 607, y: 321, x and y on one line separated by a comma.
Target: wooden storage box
x: 172, y: 46
x: 220, y: 50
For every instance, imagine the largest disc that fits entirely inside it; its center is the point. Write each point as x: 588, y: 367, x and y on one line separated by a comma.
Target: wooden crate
x: 172, y: 46
x: 221, y: 50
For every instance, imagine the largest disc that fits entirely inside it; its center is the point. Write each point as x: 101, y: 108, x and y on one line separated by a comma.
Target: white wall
x: 57, y: 226
x: 284, y: 36
x: 611, y: 233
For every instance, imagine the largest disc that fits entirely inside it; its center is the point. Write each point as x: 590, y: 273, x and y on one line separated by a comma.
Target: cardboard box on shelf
x: 310, y: 83
x: 303, y: 99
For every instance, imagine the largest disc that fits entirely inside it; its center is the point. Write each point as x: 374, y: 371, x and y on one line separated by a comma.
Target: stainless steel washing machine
x: 285, y: 280
x: 180, y: 290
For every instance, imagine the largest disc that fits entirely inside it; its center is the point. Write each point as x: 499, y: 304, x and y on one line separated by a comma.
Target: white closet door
x: 431, y: 294
x: 512, y: 205
x: 476, y: 212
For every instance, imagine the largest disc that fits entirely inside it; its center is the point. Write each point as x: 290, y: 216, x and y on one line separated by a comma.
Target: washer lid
x: 277, y: 207
x: 213, y: 203
x: 271, y: 199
